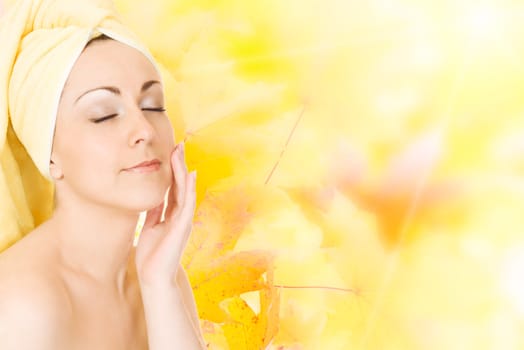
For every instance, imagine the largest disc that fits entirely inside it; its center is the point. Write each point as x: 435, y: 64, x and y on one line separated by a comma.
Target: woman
x: 79, y: 283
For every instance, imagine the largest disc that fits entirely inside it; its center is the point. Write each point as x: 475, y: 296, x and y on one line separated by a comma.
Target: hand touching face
x: 113, y: 139
x: 161, y: 244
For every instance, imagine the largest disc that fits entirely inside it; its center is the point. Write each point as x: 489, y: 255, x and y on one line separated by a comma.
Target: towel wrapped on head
x: 41, y: 40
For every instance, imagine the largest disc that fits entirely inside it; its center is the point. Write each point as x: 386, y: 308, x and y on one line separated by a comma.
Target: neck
x: 96, y: 241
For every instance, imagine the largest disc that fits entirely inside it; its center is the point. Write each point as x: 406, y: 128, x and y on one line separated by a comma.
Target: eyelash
x: 160, y: 109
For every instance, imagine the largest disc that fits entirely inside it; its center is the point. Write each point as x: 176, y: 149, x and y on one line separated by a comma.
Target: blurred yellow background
x: 371, y: 151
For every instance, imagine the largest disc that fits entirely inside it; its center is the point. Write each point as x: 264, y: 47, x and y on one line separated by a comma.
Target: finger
x: 171, y: 196
x: 177, y: 192
x: 182, y: 175
x: 184, y: 219
x: 189, y: 209
x: 179, y: 233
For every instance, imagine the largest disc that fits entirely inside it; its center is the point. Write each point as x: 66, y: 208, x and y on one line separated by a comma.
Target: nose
x: 142, y: 130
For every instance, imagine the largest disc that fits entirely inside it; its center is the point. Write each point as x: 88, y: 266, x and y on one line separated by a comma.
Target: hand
x: 161, y: 244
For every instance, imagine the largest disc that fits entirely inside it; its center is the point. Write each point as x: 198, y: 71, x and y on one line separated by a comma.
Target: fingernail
x: 194, y: 174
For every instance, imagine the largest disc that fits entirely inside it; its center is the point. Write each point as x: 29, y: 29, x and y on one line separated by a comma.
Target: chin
x: 145, y: 198
x: 141, y: 192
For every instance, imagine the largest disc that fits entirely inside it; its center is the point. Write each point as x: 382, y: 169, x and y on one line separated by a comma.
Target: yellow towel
x: 39, y: 42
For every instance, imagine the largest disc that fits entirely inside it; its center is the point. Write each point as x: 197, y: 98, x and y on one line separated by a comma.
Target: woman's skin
x: 76, y: 282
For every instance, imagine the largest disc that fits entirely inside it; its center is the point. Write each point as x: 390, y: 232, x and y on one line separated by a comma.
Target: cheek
x: 165, y: 133
x: 87, y: 159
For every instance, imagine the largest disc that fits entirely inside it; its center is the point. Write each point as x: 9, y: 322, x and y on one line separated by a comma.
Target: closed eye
x: 158, y: 109
x: 99, y: 120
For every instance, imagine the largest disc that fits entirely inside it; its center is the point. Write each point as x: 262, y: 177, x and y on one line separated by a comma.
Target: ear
x: 55, y: 170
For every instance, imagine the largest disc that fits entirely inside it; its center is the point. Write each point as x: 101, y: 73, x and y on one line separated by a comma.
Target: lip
x: 144, y: 167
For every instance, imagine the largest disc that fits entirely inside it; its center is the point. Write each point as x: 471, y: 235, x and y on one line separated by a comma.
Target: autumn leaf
x: 219, y: 222
x: 220, y: 275
x: 247, y: 330
x: 224, y: 278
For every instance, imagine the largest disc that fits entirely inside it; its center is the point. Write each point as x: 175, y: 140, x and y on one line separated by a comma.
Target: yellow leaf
x: 225, y: 278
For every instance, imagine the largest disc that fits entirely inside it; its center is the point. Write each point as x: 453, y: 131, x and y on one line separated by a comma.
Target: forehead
x: 109, y: 62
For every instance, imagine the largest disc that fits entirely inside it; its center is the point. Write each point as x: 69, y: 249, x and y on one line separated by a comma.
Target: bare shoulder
x: 32, y: 299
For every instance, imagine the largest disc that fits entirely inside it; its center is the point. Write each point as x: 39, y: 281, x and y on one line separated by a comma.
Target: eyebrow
x: 116, y: 91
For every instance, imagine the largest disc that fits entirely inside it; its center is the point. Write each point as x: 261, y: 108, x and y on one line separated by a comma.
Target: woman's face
x: 110, y: 118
